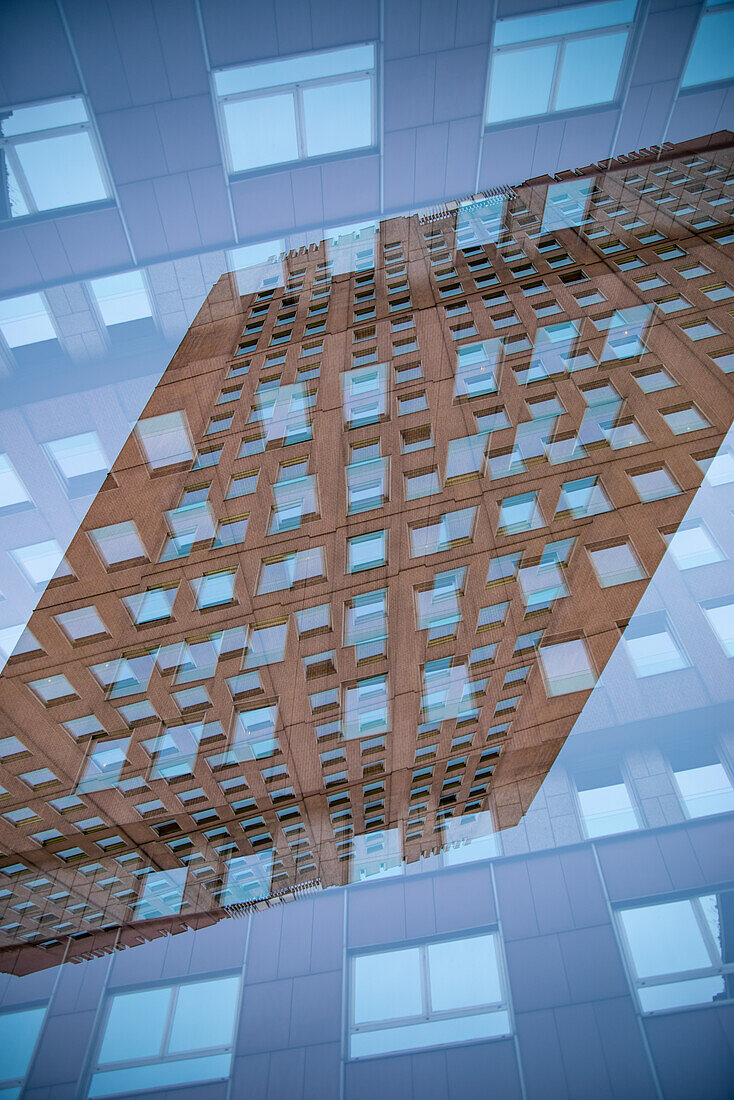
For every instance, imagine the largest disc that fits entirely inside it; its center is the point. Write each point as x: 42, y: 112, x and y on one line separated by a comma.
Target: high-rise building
x: 370, y: 546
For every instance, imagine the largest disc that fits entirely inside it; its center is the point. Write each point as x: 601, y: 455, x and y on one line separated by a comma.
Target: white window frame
x: 714, y: 970
x: 428, y: 1015
x: 162, y: 1058
x: 561, y: 40
x: 296, y: 88
x: 7, y: 144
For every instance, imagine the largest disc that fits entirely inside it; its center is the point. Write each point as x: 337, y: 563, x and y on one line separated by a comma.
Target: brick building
x: 370, y: 546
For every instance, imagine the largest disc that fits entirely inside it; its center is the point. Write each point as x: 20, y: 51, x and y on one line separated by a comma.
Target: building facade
x: 352, y: 579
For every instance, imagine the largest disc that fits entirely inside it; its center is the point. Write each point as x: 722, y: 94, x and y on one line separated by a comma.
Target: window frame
x: 296, y: 89
x: 561, y: 40
x: 8, y: 143
x: 428, y: 1015
x: 174, y: 987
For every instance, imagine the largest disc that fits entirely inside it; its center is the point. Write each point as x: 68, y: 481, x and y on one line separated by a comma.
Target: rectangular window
x: 51, y: 157
x: 693, y: 545
x: 720, y: 614
x: 680, y: 951
x: 616, y: 564
x: 652, y: 645
x: 366, y: 551
x: 604, y: 801
x: 19, y: 1031
x: 452, y: 528
x: 214, y: 589
x: 285, y: 572
x: 166, y: 1036
x: 711, y: 58
x: 432, y: 994
x: 567, y: 667
x: 702, y: 781
x: 296, y: 108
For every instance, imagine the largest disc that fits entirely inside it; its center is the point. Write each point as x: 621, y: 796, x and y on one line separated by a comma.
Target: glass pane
x: 294, y: 69
x: 590, y: 71
x: 62, y: 171
x: 204, y: 1015
x: 712, y: 56
x: 135, y: 1025
x: 261, y: 131
x: 463, y: 973
x: 160, y: 1075
x: 387, y: 986
x: 18, y: 1034
x: 583, y: 17
x: 338, y: 117
x: 521, y: 83
x: 665, y: 939
x: 463, y: 1029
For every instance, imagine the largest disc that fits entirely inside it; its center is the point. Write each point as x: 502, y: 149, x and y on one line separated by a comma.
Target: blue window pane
x: 18, y: 1034
x: 160, y: 1075
x: 204, y: 1016
x: 261, y: 131
x: 712, y: 56
x: 584, y: 17
x: 387, y: 986
x: 461, y: 1029
x: 135, y: 1025
x: 338, y: 117
x: 590, y: 71
x: 521, y: 83
x: 464, y: 973
x: 62, y: 171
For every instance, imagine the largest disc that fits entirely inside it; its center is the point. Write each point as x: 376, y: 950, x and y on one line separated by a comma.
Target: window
x: 567, y: 667
x: 364, y: 395
x: 720, y: 614
x: 693, y: 545
x: 118, y: 543
x: 365, y: 624
x: 313, y: 105
x: 421, y: 483
x: 452, y: 529
x: 558, y: 60
x: 83, y: 623
x: 214, y: 589
x: 582, y: 498
x: 164, y: 440
x: 167, y: 1036
x: 436, y: 993
x: 475, y: 368
x: 242, y: 485
x: 680, y: 951
x: 152, y: 606
x: 367, y: 708
x: 26, y: 320
x: 701, y: 779
x: 712, y: 58
x: 604, y: 801
x: 653, y: 379
x: 616, y: 564
x: 684, y: 418
x: 366, y: 551
x: 41, y: 562
x: 367, y: 483
x: 19, y: 1031
x: 51, y: 157
x: 520, y: 513
x: 121, y: 298
x: 79, y: 460
x: 654, y: 484
x: 313, y: 620
x: 13, y: 493
x: 288, y: 570
x: 652, y: 645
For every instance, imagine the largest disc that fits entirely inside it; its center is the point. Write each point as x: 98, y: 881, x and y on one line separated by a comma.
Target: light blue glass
x: 712, y: 55
x: 204, y: 1015
x: 590, y: 71
x: 463, y: 973
x: 160, y: 1075
x: 387, y: 985
x: 135, y: 1025
x: 521, y: 83
x: 261, y: 131
x: 18, y: 1034
x: 294, y: 70
x: 338, y: 117
x: 582, y: 17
